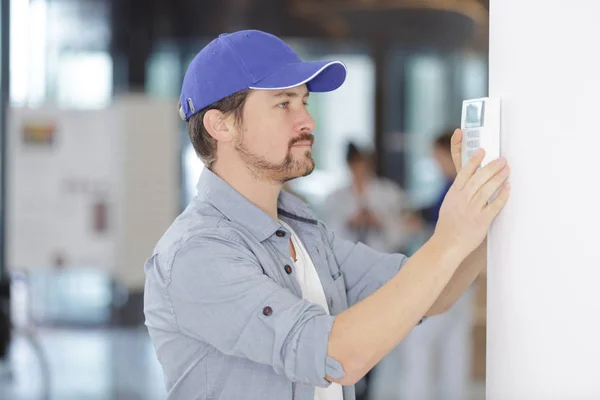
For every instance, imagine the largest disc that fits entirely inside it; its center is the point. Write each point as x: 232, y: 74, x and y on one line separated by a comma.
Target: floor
x: 101, y: 364
x: 83, y: 364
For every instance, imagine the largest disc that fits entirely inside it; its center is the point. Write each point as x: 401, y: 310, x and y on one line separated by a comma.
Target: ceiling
x: 444, y: 23
x: 441, y: 23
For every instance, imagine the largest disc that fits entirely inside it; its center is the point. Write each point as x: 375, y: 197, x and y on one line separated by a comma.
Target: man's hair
x: 444, y: 140
x: 204, y: 144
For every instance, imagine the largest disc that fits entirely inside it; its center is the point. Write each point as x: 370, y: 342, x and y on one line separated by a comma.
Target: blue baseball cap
x: 251, y: 59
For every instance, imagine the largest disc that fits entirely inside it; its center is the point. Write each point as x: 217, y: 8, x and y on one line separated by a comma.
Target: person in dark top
x: 443, y: 156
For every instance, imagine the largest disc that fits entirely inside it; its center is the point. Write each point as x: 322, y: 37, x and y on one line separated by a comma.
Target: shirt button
x: 288, y: 269
x: 267, y: 311
x: 280, y: 233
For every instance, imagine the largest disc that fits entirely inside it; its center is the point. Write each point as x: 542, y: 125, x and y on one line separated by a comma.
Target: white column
x: 544, y: 249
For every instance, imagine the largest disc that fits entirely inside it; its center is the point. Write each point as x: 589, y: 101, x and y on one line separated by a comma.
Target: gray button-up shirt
x: 225, y: 311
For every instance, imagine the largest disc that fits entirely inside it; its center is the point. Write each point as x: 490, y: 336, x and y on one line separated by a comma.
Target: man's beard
x: 281, y: 172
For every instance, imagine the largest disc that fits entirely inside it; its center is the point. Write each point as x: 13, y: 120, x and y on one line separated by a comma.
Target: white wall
x: 544, y: 270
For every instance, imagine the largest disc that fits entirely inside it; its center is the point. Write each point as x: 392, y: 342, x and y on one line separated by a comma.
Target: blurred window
x: 436, y: 85
x: 60, y: 53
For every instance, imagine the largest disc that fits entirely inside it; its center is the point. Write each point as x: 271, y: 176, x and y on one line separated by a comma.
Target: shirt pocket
x: 334, y: 268
x: 340, y: 286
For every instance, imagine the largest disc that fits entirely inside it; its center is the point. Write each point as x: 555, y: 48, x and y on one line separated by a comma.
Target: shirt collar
x: 235, y: 207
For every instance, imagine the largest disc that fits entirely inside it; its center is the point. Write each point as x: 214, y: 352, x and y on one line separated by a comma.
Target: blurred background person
x: 443, y: 158
x: 371, y: 210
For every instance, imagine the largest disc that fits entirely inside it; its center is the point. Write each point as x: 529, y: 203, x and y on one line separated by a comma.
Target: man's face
x: 274, y: 139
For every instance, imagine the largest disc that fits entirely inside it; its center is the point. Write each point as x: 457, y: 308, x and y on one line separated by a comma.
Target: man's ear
x: 217, y: 125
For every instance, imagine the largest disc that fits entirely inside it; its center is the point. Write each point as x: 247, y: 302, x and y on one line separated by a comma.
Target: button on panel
x: 473, y: 143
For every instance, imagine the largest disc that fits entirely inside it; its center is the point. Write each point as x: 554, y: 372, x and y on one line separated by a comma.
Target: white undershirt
x: 312, y: 290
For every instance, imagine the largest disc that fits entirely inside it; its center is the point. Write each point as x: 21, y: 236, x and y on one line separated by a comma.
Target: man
x: 249, y: 296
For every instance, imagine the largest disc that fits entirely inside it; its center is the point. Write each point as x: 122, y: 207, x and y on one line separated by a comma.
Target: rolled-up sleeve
x: 219, y: 294
x: 364, y: 269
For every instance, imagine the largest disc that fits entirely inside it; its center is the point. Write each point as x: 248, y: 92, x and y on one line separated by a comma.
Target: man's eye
x: 284, y: 105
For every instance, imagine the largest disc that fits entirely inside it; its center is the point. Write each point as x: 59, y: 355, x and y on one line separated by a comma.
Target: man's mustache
x: 302, y: 138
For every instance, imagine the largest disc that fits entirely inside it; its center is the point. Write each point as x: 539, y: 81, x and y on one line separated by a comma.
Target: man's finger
x: 484, y: 194
x: 496, y: 205
x: 482, y: 176
x: 455, y: 148
x: 465, y: 174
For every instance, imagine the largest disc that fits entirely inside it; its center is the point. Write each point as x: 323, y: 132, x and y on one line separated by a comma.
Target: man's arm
x: 464, y: 276
x: 363, y: 334
x: 213, y: 289
x: 472, y: 266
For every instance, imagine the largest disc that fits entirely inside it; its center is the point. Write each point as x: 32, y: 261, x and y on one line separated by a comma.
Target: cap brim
x: 319, y: 76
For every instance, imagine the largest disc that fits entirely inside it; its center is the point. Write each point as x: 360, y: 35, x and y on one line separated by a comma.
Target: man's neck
x: 262, y: 194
